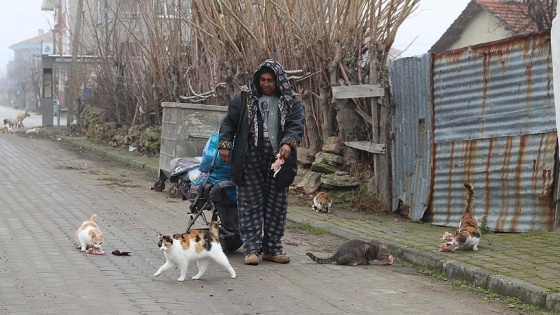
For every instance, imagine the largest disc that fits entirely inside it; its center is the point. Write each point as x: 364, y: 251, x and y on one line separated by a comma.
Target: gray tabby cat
x: 356, y: 252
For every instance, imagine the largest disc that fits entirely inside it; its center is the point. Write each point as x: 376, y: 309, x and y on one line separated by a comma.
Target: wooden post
x: 365, y: 91
x: 374, y: 119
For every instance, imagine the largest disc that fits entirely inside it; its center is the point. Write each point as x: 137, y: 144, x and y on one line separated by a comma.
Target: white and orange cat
x: 88, y: 235
x: 198, y: 245
x: 467, y: 235
x: 322, y: 202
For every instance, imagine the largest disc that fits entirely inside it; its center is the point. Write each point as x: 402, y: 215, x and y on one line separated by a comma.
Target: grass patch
x: 484, y: 229
x: 117, y: 181
x: 511, y: 302
x: 434, y: 274
x: 309, y: 228
x: 114, y: 180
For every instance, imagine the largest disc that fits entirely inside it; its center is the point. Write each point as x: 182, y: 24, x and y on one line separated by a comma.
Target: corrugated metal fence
x: 410, y: 90
x: 494, y: 125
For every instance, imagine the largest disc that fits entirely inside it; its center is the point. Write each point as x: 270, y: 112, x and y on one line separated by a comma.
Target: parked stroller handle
x: 211, y: 168
x: 213, y: 161
x: 204, y: 183
x: 211, y: 195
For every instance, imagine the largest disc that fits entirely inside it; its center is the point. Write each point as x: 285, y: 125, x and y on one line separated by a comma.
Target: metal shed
x: 494, y: 126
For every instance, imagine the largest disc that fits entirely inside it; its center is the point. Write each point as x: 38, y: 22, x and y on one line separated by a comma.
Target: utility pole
x: 74, y: 64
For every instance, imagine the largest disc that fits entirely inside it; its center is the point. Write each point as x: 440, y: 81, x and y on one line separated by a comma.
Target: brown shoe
x: 252, y: 259
x: 280, y: 258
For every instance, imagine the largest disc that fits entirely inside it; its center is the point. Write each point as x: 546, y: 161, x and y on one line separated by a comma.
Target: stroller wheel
x: 159, y: 185
x: 231, y: 243
x: 173, y: 192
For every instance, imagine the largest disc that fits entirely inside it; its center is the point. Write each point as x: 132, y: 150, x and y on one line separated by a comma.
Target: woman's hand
x: 224, y: 155
x: 285, y: 151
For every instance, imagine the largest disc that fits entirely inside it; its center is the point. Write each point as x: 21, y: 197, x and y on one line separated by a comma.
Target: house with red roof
x: 484, y: 21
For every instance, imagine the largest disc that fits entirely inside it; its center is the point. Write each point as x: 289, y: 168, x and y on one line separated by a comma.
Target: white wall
x: 483, y: 28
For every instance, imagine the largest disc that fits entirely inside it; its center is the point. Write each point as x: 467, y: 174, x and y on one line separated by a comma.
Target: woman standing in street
x: 262, y: 124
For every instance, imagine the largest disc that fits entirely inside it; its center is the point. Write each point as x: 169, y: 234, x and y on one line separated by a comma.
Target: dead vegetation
x: 202, y: 53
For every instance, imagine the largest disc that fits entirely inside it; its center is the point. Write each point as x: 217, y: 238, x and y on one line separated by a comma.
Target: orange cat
x: 322, y: 202
x: 467, y: 235
x: 89, y: 236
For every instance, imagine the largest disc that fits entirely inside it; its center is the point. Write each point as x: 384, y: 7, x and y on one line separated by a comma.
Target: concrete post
x: 47, y: 83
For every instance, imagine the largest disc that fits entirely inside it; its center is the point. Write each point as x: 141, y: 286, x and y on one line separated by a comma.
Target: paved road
x: 48, y: 191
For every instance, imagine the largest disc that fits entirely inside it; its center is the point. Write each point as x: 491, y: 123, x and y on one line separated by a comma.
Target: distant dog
x: 35, y: 131
x: 20, y: 117
x: 6, y: 128
x: 10, y: 122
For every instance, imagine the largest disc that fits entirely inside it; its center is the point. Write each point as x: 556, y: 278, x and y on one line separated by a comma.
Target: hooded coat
x: 241, y: 126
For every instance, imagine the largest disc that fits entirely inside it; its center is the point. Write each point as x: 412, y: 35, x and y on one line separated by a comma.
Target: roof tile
x: 514, y: 15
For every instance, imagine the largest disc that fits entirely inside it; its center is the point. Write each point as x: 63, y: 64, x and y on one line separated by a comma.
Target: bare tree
x: 539, y: 13
x: 204, y: 52
x: 28, y: 81
x: 35, y: 75
x: 324, y: 44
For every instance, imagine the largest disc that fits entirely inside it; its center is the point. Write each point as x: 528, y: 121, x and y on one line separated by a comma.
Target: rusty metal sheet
x: 495, y: 125
x: 513, y: 179
x: 412, y: 122
x: 491, y: 91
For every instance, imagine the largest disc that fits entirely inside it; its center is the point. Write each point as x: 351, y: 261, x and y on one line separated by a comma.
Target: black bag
x: 285, y: 177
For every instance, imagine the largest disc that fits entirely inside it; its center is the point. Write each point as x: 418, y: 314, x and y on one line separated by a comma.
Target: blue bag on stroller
x: 220, y: 171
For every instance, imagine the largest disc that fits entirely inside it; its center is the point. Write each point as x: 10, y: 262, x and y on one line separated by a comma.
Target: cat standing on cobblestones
x: 199, y: 245
x: 89, y: 236
x: 467, y: 235
x: 356, y: 252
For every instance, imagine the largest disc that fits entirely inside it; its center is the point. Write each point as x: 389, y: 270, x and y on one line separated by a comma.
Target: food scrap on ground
x: 389, y: 260
x: 95, y: 251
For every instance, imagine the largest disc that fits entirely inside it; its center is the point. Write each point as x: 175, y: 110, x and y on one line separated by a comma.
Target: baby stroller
x: 184, y: 166
x: 207, y: 195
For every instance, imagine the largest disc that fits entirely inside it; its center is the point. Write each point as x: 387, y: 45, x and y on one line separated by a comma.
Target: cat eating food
x: 322, y: 202
x: 356, y: 252
x: 89, y: 237
x: 467, y: 235
x: 199, y: 245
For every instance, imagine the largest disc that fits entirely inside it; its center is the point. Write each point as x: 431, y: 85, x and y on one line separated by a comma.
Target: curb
x: 128, y: 161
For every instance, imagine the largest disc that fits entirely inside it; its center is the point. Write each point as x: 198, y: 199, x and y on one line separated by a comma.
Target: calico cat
x: 356, y: 252
x: 467, y: 235
x: 88, y: 235
x: 322, y: 202
x: 199, y: 245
